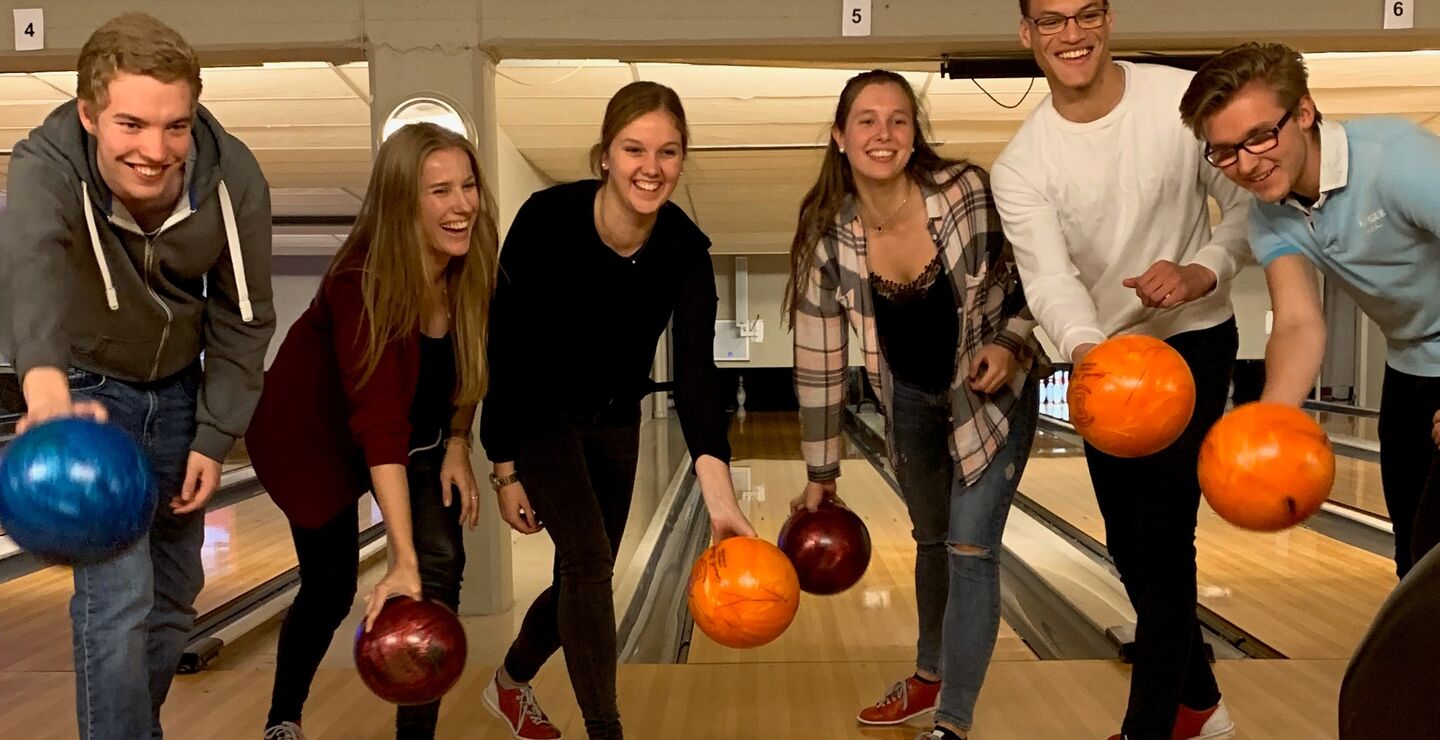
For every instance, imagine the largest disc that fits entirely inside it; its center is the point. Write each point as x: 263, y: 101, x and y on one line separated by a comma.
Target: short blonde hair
x: 134, y: 43
x: 1278, y: 67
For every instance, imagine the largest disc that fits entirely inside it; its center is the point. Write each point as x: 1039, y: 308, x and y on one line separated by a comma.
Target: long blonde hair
x: 393, y: 240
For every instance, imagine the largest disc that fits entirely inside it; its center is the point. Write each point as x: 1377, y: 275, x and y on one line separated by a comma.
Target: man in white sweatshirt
x: 1103, y: 194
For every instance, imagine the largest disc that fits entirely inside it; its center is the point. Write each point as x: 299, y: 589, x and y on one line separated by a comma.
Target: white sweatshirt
x: 1087, y: 205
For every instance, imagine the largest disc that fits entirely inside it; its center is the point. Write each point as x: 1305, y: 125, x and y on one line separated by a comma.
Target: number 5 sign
x: 1399, y: 14
x: 855, y: 20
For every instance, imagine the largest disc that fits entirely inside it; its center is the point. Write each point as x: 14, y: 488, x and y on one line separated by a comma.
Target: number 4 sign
x: 29, y: 29
x: 855, y: 20
x: 1399, y: 14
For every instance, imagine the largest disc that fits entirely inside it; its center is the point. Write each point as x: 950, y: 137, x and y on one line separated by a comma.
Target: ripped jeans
x: 957, y: 588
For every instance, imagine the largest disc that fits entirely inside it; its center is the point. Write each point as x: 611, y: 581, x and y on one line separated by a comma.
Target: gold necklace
x: 881, y: 226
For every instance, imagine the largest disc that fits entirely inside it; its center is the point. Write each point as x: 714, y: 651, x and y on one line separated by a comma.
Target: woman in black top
x: 591, y: 273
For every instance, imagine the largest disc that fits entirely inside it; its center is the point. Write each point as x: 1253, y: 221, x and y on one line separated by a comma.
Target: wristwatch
x: 498, y: 482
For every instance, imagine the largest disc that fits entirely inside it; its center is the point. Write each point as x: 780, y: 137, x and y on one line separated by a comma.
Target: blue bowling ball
x: 75, y: 491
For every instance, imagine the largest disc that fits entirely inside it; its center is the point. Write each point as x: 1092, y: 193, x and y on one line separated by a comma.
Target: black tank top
x: 918, y: 326
x: 433, y: 405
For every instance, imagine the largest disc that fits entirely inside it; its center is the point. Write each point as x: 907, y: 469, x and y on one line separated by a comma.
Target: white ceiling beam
x: 361, y: 94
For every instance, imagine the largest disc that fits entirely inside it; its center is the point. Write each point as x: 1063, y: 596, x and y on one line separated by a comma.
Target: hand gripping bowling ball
x: 1266, y: 466
x: 1132, y: 396
x: 829, y: 547
x: 743, y: 592
x: 75, y: 491
x: 414, y: 653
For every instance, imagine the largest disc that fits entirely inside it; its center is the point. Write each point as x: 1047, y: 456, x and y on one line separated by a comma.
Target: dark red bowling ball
x: 829, y: 547
x: 413, y: 654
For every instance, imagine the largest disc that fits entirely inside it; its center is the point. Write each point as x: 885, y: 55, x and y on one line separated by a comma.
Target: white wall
x: 292, y: 295
x: 515, y: 181
x: 768, y: 274
x: 1251, y: 299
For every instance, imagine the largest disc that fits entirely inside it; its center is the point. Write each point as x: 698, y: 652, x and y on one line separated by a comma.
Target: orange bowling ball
x: 743, y: 592
x: 1266, y: 466
x: 1131, y: 396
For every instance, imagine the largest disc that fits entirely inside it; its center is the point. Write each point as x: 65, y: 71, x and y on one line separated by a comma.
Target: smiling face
x: 449, y: 203
x: 879, y: 133
x: 1252, y: 115
x: 642, y: 164
x: 142, y: 138
x: 1074, y: 57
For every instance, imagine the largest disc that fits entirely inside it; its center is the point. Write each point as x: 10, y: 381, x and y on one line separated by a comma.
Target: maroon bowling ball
x: 829, y: 547
x: 413, y: 654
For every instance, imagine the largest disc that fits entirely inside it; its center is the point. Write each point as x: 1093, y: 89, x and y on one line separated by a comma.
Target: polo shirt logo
x: 1372, y: 222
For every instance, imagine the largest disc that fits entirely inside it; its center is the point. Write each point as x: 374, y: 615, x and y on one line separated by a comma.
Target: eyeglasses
x: 1053, y: 23
x: 1257, y: 144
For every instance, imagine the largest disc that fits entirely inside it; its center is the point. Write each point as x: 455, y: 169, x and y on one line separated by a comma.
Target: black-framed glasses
x: 1053, y: 23
x: 1257, y: 144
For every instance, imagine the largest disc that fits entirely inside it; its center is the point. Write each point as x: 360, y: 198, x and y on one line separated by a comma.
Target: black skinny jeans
x: 328, y: 573
x: 1410, y: 464
x: 579, y: 476
x: 1149, y: 505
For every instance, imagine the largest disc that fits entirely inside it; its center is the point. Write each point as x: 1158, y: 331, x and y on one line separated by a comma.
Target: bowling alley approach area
x: 1283, y: 612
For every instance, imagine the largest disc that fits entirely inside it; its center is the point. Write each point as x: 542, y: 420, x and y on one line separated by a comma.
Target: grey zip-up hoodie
x: 85, y: 287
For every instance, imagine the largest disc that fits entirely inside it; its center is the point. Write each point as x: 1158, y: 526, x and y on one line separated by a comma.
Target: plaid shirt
x: 966, y: 229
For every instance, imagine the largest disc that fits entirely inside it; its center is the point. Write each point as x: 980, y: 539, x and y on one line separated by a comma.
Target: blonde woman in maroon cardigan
x: 374, y: 389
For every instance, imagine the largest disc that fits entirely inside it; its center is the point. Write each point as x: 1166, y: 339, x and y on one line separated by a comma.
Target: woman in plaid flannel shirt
x: 905, y: 247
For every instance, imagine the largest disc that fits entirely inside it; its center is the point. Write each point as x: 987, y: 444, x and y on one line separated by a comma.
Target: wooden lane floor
x: 1301, y: 592
x: 874, y: 620
x: 1022, y: 699
x: 1357, y: 485
x: 246, y: 544
x: 1031, y: 700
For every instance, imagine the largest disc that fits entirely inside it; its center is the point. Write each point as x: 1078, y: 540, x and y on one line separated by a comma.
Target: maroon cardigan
x: 317, y: 430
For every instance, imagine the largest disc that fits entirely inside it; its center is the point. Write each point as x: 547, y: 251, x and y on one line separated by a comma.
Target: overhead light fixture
x: 428, y: 108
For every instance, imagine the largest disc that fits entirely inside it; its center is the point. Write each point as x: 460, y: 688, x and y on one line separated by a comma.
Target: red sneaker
x: 1203, y: 724
x: 1200, y: 724
x: 520, y: 711
x: 905, y: 701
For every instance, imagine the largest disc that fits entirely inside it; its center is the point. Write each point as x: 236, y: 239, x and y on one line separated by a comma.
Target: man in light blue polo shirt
x: 1362, y: 202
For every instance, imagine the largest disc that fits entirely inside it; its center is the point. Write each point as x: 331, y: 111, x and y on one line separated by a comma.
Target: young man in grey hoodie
x: 136, y: 248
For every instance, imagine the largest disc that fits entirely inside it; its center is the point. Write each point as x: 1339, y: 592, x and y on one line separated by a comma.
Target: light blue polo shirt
x: 1375, y: 229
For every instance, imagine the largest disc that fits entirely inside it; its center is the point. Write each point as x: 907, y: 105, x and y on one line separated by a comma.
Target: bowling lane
x: 874, y: 620
x: 1357, y: 485
x: 1301, y: 592
x: 1364, y: 428
x: 246, y: 544
x: 1357, y: 481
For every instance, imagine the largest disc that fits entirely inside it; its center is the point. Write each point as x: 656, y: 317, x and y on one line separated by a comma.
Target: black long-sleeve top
x: 574, y: 326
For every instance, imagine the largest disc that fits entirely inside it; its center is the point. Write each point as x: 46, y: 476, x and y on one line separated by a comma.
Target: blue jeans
x: 131, y: 616
x: 957, y: 592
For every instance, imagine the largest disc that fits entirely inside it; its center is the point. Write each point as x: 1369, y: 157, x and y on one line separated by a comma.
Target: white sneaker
x: 284, y: 731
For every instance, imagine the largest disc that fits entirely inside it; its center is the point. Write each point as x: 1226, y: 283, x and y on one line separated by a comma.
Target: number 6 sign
x: 1399, y: 14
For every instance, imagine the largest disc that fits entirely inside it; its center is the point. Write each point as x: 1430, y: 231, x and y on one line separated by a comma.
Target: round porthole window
x: 427, y: 108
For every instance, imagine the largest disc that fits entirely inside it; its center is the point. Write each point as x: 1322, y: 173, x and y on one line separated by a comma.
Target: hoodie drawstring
x: 110, y: 297
x: 232, y: 238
